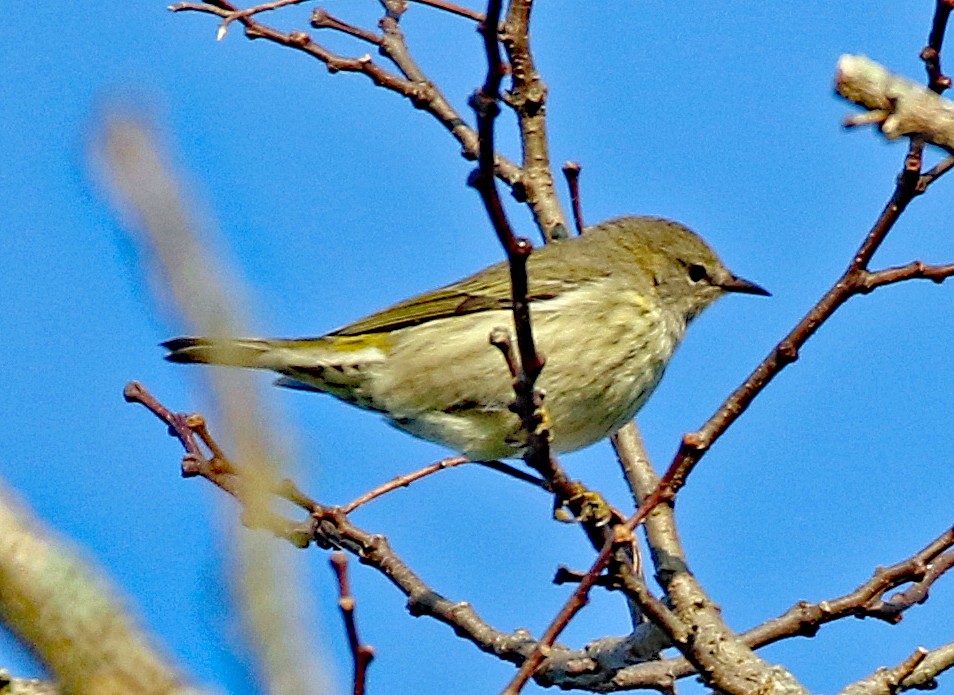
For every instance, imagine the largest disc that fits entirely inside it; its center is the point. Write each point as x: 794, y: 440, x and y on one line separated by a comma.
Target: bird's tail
x: 329, y: 364
x: 233, y: 352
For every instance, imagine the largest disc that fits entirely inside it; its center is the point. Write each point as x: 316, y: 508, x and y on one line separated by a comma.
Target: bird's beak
x: 743, y: 286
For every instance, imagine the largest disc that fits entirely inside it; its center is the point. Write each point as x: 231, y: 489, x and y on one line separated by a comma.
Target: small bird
x: 608, y: 309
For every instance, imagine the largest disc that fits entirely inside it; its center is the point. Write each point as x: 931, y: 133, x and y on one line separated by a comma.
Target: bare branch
x: 452, y: 9
x: 322, y: 19
x: 918, y: 671
x: 361, y: 654
x: 571, y: 170
x: 528, y: 99
x: 405, y: 480
x: 71, y: 617
x: 916, y: 270
x: 239, y: 14
x: 931, y: 54
x: 414, y: 86
x: 330, y: 527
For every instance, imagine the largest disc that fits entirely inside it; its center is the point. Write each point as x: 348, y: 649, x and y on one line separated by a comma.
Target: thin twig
x: 805, y: 619
x: 571, y: 170
x: 414, y: 86
x: 528, y: 98
x: 892, y: 609
x: 322, y: 19
x: 248, y: 12
x: 452, y: 9
x: 694, y: 445
x: 444, y: 464
x: 485, y: 102
x: 330, y: 527
x: 931, y: 54
x: 361, y: 654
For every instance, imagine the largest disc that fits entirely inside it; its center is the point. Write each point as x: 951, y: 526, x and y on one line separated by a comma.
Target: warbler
x: 608, y: 309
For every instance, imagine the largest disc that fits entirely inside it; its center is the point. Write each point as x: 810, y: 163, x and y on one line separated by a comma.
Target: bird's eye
x: 697, y: 272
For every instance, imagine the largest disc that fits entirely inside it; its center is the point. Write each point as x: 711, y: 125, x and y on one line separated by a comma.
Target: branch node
x: 786, y: 353
x: 299, y: 38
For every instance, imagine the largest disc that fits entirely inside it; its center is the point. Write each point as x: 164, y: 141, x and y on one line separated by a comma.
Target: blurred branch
x: 71, y: 618
x: 25, y: 686
x: 897, y: 105
x: 145, y: 187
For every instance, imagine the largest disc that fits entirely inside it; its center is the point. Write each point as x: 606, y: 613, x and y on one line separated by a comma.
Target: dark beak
x: 743, y: 286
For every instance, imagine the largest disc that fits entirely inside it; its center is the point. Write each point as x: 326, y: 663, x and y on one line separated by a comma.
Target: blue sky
x: 332, y: 199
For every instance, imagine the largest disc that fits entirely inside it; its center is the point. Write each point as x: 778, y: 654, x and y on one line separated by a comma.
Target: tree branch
x: 528, y: 99
x: 361, y: 654
x: 329, y: 527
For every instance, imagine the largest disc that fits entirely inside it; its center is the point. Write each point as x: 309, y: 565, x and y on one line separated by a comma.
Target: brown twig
x: 528, y: 99
x: 330, y: 527
x: 892, y: 609
x: 805, y: 619
x: 923, y: 568
x: 931, y: 54
x: 452, y: 9
x: 414, y: 86
x: 248, y: 12
x: 571, y: 170
x: 526, y: 365
x: 408, y: 478
x: 485, y: 102
x: 888, y: 681
x: 322, y: 19
x: 855, y: 280
x: 573, y: 605
x: 361, y: 654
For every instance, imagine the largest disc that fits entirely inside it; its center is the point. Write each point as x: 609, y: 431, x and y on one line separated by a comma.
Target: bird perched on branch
x: 608, y: 310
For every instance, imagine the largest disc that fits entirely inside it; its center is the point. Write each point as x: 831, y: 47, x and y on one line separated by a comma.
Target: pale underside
x: 602, y: 364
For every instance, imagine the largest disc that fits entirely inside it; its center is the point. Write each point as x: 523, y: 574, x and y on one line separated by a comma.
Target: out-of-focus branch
x: 146, y: 189
x: 25, y: 686
x: 70, y: 617
x: 897, y: 105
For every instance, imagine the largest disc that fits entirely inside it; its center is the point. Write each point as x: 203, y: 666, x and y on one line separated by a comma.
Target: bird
x: 608, y: 309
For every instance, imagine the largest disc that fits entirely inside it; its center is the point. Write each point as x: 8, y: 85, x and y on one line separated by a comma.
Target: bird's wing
x: 486, y: 291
